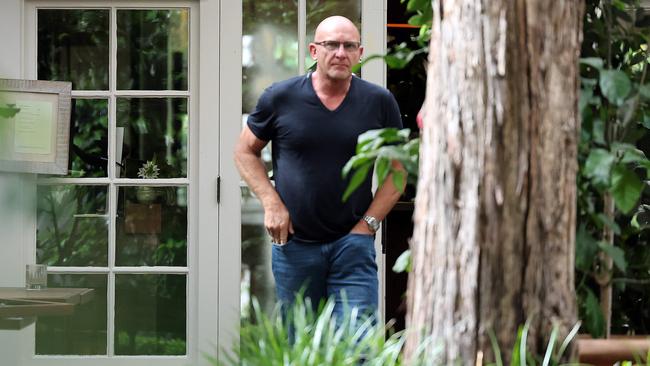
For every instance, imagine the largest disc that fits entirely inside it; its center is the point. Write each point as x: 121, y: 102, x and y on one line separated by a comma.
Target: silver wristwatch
x: 373, y: 223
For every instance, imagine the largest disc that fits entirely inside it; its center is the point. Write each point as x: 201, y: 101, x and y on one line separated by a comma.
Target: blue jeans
x: 344, y: 270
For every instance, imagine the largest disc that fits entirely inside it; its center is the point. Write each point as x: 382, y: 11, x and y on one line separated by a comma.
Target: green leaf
x: 641, y: 219
x: 356, y: 161
x: 422, y: 18
x: 374, y: 139
x: 598, y: 131
x: 626, y: 188
x: 644, y: 90
x: 398, y: 61
x: 403, y: 262
x: 398, y: 179
x: 495, y: 348
x: 593, y: 317
x: 598, y: 166
x: 619, y: 5
x: 585, y: 97
x: 646, y: 121
x: 357, y: 179
x: 382, y: 169
x: 415, y: 5
x: 609, y: 222
x: 617, y: 254
x: 515, y: 354
x: 615, y: 85
x: 551, y: 344
x: 595, y: 62
x: 588, y: 83
x: 567, y: 340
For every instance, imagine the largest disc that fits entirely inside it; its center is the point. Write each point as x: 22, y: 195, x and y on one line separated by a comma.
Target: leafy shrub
x: 305, y: 337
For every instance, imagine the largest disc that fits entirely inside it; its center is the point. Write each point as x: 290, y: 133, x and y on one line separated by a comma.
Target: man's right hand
x: 277, y: 222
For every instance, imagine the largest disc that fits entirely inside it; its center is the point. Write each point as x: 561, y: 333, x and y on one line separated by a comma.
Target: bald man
x: 321, y: 245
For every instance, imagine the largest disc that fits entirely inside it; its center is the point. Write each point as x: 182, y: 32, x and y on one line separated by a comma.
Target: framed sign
x: 34, y: 126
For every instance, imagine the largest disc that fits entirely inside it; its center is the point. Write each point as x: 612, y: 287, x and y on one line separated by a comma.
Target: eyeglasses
x: 348, y: 46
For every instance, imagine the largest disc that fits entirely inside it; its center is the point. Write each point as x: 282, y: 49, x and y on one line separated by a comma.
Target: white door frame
x: 373, y: 34
x: 228, y: 84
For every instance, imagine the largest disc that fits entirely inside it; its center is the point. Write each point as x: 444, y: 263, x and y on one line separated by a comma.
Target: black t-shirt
x: 311, y: 144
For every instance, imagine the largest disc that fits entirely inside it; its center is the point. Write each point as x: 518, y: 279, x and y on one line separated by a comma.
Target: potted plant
x: 149, y: 170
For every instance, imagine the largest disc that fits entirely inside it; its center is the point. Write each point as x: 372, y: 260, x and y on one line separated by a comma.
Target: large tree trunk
x: 495, y: 212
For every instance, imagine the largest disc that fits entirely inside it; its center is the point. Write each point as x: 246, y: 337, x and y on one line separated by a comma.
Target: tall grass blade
x: 495, y: 348
x: 568, y: 339
x: 551, y: 344
x: 523, y: 343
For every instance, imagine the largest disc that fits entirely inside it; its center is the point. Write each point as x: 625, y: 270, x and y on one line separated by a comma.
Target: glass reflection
x: 89, y: 137
x: 72, y: 225
x: 317, y: 10
x: 152, y: 129
x: 152, y: 47
x: 269, y: 45
x: 73, y: 45
x: 257, y: 278
x: 83, y: 332
x: 151, y: 226
x: 150, y: 314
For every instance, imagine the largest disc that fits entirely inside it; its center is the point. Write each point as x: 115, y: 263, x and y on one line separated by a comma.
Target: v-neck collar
x: 320, y: 102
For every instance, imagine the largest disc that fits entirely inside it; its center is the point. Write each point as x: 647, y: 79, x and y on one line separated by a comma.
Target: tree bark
x: 493, y: 243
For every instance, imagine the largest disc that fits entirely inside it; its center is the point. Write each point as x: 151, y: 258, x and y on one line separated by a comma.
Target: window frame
x: 191, y: 182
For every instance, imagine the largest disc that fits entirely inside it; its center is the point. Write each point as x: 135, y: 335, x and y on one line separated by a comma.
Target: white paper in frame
x: 34, y: 126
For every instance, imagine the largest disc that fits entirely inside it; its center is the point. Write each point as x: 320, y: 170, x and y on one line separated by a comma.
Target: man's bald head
x: 336, y: 48
x: 336, y: 24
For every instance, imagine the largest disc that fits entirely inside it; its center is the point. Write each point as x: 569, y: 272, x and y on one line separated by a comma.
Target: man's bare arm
x: 251, y: 168
x: 385, y: 198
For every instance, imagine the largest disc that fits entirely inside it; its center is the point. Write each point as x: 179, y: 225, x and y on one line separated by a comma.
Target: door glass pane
x: 150, y: 314
x: 257, y: 278
x: 151, y: 226
x: 89, y: 138
x: 269, y: 46
x: 152, y: 48
x: 83, y: 332
x: 73, y: 45
x: 152, y: 129
x: 72, y: 225
x: 317, y: 10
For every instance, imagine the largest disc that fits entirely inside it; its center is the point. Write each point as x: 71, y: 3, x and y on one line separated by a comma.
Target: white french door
x: 137, y: 219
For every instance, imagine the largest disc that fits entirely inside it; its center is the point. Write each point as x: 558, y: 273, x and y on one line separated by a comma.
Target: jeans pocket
x: 284, y: 245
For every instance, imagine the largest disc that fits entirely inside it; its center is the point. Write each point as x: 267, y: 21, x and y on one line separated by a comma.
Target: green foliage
x: 305, y: 337
x: 520, y: 354
x: 379, y: 148
x: 401, y: 55
x: 149, y: 170
x: 9, y: 111
x: 403, y: 263
x: 615, y: 111
x: 61, y: 56
x: 152, y: 344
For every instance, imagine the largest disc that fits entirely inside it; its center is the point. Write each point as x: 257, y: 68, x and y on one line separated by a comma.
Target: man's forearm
x: 252, y: 170
x: 385, y: 198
